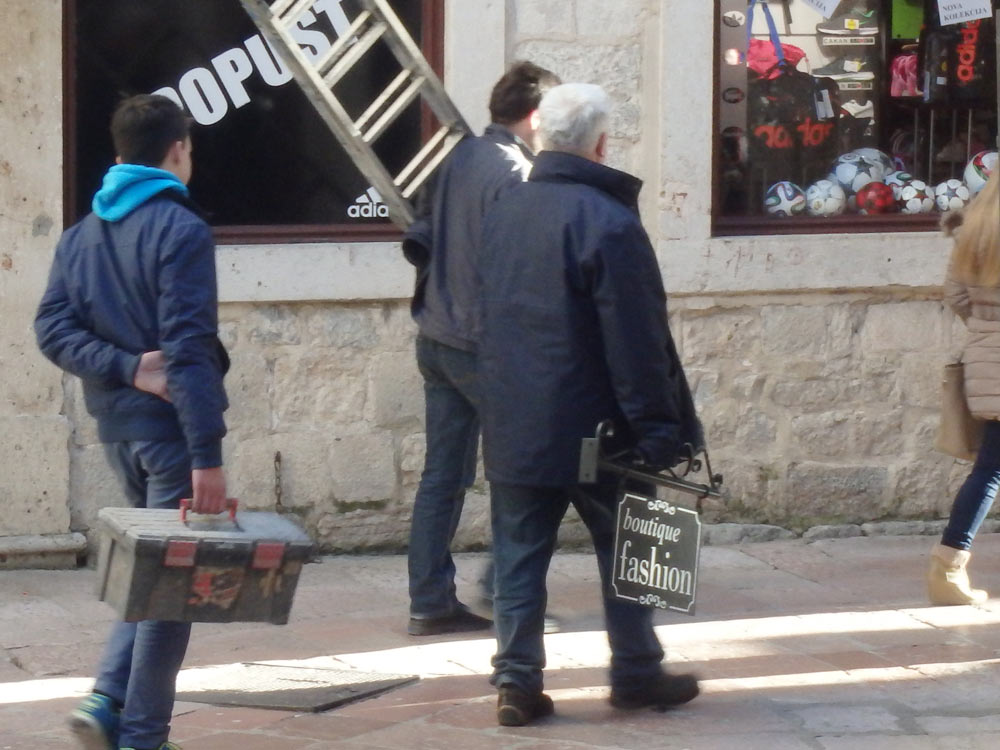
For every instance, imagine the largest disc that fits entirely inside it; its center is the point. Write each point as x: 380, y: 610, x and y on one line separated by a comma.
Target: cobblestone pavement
x: 826, y: 644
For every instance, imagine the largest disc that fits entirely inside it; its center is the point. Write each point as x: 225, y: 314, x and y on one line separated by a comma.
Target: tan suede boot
x: 947, y: 579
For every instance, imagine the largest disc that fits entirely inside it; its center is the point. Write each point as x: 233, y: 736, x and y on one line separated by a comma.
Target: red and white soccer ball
x: 951, y: 195
x: 915, y: 197
x: 825, y: 198
x: 785, y: 199
x: 979, y: 169
x: 875, y: 198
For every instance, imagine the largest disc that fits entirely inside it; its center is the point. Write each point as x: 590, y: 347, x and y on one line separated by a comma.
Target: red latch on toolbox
x: 268, y: 555
x: 180, y: 553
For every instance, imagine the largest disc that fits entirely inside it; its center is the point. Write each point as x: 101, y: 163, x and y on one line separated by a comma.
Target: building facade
x: 813, y: 350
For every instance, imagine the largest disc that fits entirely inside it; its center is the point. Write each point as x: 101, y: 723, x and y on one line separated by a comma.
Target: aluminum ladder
x: 318, y: 80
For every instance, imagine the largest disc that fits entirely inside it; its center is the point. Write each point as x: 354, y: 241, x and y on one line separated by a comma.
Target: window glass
x: 263, y: 156
x: 878, y: 110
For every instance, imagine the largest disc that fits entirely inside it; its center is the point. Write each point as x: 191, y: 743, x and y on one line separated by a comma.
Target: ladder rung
x: 347, y: 38
x: 394, y: 110
x: 346, y: 62
x: 279, y: 7
x: 416, y: 161
x: 426, y: 172
x: 292, y: 11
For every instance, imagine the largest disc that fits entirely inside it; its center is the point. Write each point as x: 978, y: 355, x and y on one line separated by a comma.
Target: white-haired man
x: 574, y: 332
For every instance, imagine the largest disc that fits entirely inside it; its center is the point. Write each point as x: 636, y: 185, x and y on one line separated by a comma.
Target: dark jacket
x: 444, y: 240
x: 574, y: 327
x: 118, y: 289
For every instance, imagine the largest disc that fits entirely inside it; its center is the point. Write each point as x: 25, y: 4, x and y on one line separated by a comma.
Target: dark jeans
x: 975, y: 497
x: 525, y: 524
x: 451, y: 392
x: 141, y: 659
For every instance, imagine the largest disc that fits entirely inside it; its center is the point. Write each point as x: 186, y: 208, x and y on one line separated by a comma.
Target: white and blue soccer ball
x: 785, y: 199
x: 896, y: 179
x: 951, y: 195
x: 825, y: 198
x: 852, y: 171
x: 915, y: 197
x: 979, y: 169
x: 877, y: 157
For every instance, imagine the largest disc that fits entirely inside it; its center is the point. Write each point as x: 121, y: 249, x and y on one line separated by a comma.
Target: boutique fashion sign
x: 657, y: 546
x: 960, y: 11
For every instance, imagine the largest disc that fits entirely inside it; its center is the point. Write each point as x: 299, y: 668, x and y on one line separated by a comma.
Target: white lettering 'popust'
x: 960, y: 11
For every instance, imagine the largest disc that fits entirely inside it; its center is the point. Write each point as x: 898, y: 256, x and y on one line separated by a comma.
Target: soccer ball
x: 896, y: 180
x: 825, y: 198
x: 979, y: 169
x: 875, y: 198
x: 784, y: 199
x: 915, y: 197
x: 951, y: 195
x: 877, y: 157
x: 852, y: 171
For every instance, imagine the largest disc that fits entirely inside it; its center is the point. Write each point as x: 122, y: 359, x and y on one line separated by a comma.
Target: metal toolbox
x: 168, y: 565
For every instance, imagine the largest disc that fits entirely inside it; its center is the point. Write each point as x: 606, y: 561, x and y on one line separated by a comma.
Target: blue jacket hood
x: 128, y: 186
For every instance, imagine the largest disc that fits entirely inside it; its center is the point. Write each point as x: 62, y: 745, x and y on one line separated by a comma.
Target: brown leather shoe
x: 515, y: 707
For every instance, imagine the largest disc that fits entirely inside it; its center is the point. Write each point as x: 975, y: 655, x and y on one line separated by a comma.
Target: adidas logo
x: 369, y: 205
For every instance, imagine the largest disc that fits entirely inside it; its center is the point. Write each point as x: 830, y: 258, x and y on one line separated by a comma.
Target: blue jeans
x: 141, y: 659
x: 525, y: 524
x: 451, y: 392
x: 975, y: 497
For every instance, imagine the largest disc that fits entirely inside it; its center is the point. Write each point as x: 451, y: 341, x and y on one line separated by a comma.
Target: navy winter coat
x: 118, y: 289
x: 444, y: 241
x: 574, y: 327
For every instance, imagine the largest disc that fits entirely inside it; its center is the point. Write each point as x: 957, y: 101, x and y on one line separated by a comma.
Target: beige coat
x: 979, y: 308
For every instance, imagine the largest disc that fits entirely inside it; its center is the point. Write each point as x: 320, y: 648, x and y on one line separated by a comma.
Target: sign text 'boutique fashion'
x: 657, y: 546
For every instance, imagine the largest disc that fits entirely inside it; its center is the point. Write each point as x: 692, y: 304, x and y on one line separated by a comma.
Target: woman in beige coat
x: 972, y: 290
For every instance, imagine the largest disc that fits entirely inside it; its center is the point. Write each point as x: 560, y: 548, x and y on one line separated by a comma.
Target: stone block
x: 412, y: 449
x: 798, y: 331
x: 721, y: 335
x: 903, y: 528
x: 362, y: 468
x: 902, y: 326
x: 818, y: 493
x: 544, y: 18
x: 362, y: 530
x: 94, y: 486
x: 805, y: 395
x: 255, y: 472
x: 84, y: 425
x: 248, y: 386
x: 31, y: 385
x: 396, y: 390
x: 474, y: 527
x: 272, y: 325
x: 921, y: 486
x: 756, y: 431
x: 599, y: 18
x: 35, y: 490
x: 315, y: 389
x: 720, y: 534
x: 920, y: 379
x: 340, y: 327
x: 838, y: 531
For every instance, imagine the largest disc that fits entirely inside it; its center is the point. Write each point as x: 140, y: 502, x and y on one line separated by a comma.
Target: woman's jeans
x: 975, y: 498
x: 141, y: 659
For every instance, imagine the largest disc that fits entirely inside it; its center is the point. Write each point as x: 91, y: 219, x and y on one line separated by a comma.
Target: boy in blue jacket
x: 131, y: 308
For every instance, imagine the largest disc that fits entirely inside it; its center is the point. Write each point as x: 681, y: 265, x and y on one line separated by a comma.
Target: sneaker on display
x: 847, y: 67
x: 858, y: 110
x: 857, y: 22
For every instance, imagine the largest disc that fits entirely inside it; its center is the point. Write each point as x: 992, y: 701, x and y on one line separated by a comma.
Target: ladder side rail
x: 333, y: 113
x: 410, y: 56
x: 417, y: 182
x: 354, y: 54
x: 379, y: 104
x: 293, y: 12
x: 280, y: 7
x: 394, y: 111
x: 337, y: 48
x: 434, y: 142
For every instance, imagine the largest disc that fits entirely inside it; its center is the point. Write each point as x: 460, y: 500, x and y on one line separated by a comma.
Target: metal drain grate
x: 282, y: 687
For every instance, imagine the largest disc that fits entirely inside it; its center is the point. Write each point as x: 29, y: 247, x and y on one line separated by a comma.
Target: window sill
x: 733, y: 226
x: 312, y: 233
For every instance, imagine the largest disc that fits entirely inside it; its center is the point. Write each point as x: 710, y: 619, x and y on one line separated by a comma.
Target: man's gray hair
x: 572, y: 117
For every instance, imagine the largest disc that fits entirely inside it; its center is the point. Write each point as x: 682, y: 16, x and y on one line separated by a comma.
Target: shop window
x: 881, y: 116
x: 267, y: 169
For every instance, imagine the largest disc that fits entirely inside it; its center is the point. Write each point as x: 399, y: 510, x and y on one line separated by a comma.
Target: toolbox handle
x: 231, y: 503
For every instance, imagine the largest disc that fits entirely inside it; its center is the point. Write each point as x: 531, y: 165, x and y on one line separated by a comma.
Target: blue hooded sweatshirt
x: 128, y: 186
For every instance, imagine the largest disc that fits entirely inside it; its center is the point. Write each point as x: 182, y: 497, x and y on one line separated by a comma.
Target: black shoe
x: 460, y: 621
x: 660, y: 692
x: 515, y: 708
